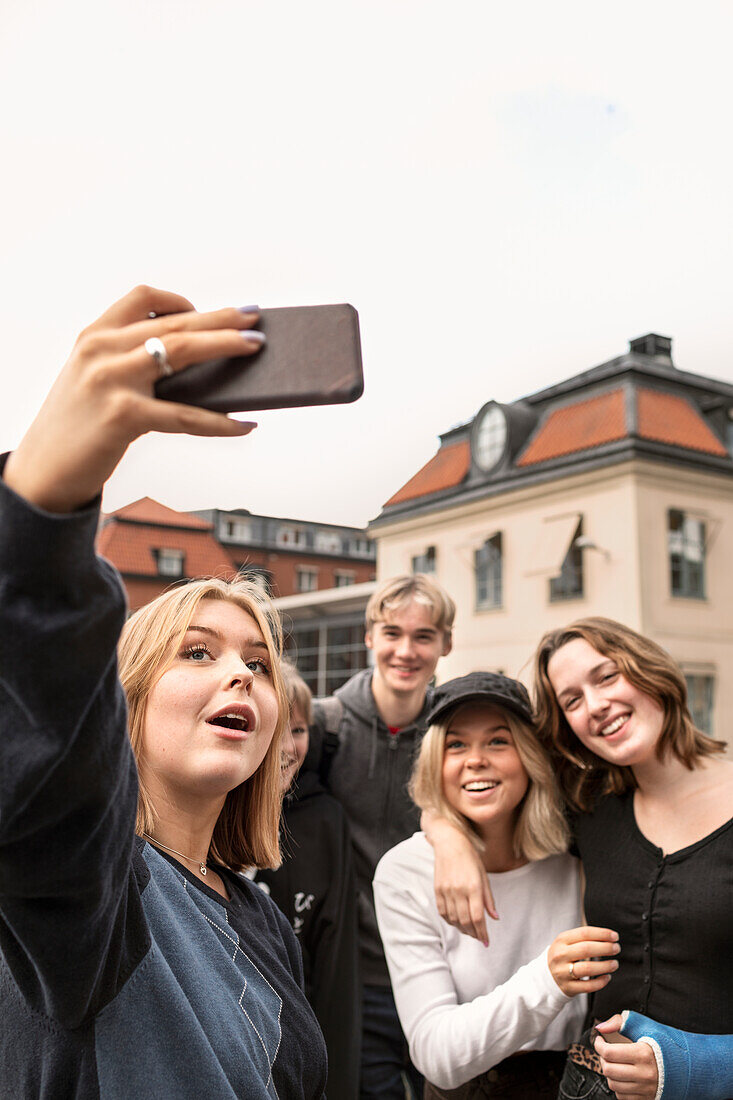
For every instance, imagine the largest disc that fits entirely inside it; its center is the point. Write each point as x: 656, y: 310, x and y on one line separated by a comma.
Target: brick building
x: 320, y: 574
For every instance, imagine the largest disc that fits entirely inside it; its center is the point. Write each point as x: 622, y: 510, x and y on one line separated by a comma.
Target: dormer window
x: 170, y: 562
x: 290, y: 536
x: 489, y: 437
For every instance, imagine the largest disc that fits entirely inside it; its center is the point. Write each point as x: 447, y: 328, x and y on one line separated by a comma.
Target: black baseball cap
x: 481, y: 687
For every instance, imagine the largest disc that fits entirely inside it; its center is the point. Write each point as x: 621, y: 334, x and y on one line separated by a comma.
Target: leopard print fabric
x: 583, y: 1054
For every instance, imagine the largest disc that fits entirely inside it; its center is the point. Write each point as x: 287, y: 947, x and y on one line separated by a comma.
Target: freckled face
x: 483, y: 776
x: 210, y: 718
x: 295, y: 747
x: 611, y: 717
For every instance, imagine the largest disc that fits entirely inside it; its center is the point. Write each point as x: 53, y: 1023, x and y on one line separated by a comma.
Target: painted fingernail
x: 253, y: 335
x: 249, y: 309
x: 244, y: 426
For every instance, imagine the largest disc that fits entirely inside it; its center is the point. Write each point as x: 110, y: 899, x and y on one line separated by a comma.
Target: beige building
x: 610, y: 493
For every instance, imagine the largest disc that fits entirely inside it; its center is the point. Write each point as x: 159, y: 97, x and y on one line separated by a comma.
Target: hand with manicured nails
x: 103, y: 398
x: 582, y: 959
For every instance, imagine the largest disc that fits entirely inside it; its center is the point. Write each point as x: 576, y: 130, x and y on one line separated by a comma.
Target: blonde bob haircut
x: 400, y: 591
x: 540, y: 829
x: 298, y: 693
x: 582, y: 775
x: 246, y: 832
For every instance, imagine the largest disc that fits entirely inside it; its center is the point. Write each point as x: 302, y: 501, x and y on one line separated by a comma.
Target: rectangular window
x: 170, y: 563
x: 329, y: 653
x: 686, y: 546
x: 236, y: 530
x: 425, y: 563
x: 700, y: 698
x: 568, y: 585
x: 328, y: 543
x: 290, y: 536
x: 488, y: 568
x: 344, y: 578
x: 307, y: 579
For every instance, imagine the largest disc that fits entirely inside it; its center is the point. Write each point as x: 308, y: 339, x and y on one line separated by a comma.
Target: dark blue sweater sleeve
x: 68, y: 783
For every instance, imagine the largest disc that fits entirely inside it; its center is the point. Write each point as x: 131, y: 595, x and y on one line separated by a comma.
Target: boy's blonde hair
x: 418, y: 588
x: 246, y: 832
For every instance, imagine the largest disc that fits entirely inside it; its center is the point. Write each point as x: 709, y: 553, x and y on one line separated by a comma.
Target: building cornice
x: 650, y: 468
x: 555, y: 469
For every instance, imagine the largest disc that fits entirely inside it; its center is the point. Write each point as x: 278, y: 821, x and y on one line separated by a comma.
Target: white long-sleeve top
x: 465, y: 1007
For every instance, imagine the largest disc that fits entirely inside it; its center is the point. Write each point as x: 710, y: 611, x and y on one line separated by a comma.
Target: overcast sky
x: 506, y: 192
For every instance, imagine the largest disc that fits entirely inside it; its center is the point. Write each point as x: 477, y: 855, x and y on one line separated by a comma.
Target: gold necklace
x: 190, y: 859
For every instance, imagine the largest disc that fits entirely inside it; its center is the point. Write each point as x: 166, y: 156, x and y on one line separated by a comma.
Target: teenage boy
x: 363, y: 744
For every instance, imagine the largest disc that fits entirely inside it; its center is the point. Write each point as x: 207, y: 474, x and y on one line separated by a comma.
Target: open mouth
x: 238, y: 720
x: 478, y: 785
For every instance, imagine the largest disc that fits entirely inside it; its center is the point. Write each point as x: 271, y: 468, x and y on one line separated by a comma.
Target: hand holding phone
x: 312, y: 356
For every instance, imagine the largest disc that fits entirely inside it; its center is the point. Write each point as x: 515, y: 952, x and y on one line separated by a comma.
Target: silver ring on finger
x: 156, y: 350
x: 571, y: 970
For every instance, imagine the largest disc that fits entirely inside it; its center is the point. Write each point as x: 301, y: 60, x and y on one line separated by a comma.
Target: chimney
x: 656, y: 347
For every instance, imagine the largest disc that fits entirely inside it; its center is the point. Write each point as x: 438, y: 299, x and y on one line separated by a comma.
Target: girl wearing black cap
x: 468, y: 1011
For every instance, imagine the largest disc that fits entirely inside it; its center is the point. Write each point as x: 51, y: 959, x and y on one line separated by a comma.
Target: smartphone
x: 312, y: 357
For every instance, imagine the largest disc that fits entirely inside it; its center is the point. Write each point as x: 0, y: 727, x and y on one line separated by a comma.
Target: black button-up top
x: 673, y: 914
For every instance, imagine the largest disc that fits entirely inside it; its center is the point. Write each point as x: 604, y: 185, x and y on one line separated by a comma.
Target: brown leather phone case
x: 312, y: 357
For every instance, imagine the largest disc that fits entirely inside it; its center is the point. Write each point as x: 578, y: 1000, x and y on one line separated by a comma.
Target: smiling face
x: 483, y: 776
x: 406, y: 646
x: 607, y: 713
x: 294, y: 749
x: 210, y: 718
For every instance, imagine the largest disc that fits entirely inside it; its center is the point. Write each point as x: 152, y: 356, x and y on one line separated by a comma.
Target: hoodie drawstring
x: 373, y: 752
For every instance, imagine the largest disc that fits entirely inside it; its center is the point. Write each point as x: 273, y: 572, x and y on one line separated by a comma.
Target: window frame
x: 175, y: 558
x: 494, y: 555
x: 302, y: 571
x: 569, y: 583
x: 686, y: 582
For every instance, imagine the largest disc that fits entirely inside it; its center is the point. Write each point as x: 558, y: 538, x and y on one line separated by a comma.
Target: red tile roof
x: 577, y: 427
x: 444, y: 470
x: 131, y: 548
x: 668, y: 418
x: 148, y: 510
x: 664, y: 417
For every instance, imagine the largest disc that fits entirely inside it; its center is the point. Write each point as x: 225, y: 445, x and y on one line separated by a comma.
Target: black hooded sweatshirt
x: 369, y: 775
x: 315, y: 889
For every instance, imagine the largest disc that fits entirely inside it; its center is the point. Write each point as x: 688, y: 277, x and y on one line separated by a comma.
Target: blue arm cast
x: 693, y: 1067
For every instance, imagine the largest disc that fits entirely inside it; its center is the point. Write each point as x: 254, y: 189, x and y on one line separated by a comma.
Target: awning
x: 552, y: 545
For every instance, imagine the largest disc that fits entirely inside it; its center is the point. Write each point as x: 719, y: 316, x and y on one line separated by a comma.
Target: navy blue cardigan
x: 121, y: 974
